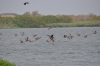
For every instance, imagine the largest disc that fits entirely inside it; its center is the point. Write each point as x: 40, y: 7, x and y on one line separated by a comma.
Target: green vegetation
x: 6, y: 63
x: 76, y: 24
x: 36, y: 20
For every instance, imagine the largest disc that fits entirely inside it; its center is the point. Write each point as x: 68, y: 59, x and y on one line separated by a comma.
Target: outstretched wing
x: 26, y: 3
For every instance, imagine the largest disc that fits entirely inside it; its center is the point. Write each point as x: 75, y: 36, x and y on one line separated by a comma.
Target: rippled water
x: 78, y: 51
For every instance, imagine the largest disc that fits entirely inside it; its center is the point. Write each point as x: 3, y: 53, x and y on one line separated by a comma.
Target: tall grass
x: 76, y: 24
x: 6, y: 63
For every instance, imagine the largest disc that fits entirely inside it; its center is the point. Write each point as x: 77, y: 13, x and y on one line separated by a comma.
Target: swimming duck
x: 15, y: 34
x: 47, y: 40
x: 29, y: 40
x: 78, y: 34
x: 65, y: 36
x: 85, y: 36
x: 22, y: 33
x: 21, y: 41
x: 26, y: 39
x: 34, y: 35
x: 94, y: 32
x: 37, y: 38
x: 70, y: 36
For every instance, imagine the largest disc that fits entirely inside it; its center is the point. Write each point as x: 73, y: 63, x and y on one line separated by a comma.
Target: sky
x: 51, y: 7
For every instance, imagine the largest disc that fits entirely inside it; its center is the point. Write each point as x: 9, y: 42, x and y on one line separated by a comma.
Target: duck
x: 94, y: 32
x: 70, y: 36
x: 26, y: 39
x: 15, y: 34
x: 21, y: 41
x: 37, y: 38
x: 85, y: 36
x: 22, y: 33
x: 53, y: 40
x: 65, y: 36
x: 51, y: 37
x: 29, y: 40
x: 78, y: 34
x: 34, y: 35
x: 47, y: 41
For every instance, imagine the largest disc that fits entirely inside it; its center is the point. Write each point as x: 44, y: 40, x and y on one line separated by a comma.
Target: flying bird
x: 26, y: 3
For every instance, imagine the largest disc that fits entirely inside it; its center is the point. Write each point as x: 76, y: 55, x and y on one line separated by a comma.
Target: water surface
x: 78, y: 51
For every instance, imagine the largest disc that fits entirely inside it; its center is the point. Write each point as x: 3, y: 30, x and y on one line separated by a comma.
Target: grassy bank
x: 6, y: 63
x: 76, y: 24
x: 72, y: 24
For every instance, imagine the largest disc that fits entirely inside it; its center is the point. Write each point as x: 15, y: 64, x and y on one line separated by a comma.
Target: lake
x: 78, y: 51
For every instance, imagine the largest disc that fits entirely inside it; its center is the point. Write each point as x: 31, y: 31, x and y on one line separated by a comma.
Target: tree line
x: 34, y: 19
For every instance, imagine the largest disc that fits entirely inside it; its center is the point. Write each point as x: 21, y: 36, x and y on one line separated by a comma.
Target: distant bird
x: 15, y: 34
x: 49, y: 28
x: 34, y: 35
x: 78, y: 34
x: 51, y: 37
x: 65, y: 36
x: 70, y: 36
x: 26, y: 39
x: 22, y: 33
x: 94, y: 32
x: 0, y: 33
x: 21, y: 41
x: 26, y: 3
x: 85, y: 36
x: 37, y: 38
x: 47, y: 40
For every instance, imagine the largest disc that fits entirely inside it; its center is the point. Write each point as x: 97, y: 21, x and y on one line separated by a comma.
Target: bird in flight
x: 26, y: 3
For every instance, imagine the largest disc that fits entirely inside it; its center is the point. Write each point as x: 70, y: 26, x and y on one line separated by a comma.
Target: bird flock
x: 51, y: 37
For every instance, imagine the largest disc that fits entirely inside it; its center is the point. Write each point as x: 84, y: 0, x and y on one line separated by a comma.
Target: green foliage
x: 36, y: 20
x: 6, y: 22
x: 76, y: 24
x: 6, y: 63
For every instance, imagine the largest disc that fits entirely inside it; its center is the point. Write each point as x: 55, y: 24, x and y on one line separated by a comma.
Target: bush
x: 6, y: 63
